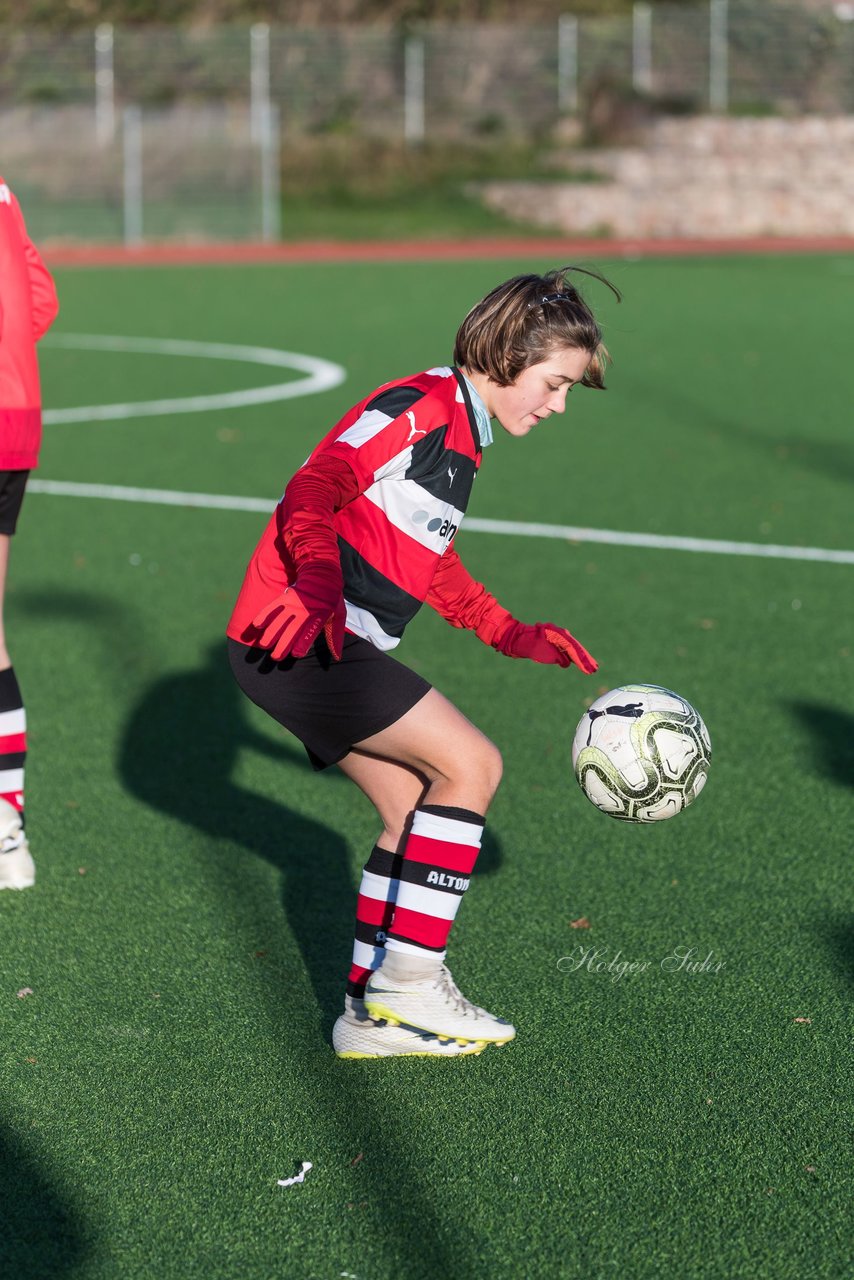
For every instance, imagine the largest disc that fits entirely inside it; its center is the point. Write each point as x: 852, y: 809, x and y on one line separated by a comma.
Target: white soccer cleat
x: 434, y: 1004
x: 357, y: 1035
x: 17, y: 869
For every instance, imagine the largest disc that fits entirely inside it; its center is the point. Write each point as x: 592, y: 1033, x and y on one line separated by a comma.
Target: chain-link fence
x: 163, y: 131
x: 184, y: 172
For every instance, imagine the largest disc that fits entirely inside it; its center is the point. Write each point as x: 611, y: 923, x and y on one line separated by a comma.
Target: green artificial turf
x: 189, y: 932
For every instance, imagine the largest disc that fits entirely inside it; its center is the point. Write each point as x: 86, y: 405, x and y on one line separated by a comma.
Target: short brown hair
x: 522, y: 321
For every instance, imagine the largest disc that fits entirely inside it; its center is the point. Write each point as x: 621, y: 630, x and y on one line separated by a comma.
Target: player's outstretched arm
x: 463, y: 602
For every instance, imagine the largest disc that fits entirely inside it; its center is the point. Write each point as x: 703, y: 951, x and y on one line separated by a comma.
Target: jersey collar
x: 477, y: 409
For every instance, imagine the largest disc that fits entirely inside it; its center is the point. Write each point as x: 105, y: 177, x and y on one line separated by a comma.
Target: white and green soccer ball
x: 641, y: 753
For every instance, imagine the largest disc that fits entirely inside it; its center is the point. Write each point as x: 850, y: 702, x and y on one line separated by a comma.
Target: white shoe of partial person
x: 17, y: 869
x: 434, y: 1004
x: 357, y: 1035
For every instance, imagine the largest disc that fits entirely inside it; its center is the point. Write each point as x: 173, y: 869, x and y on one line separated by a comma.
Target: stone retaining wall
x: 703, y: 177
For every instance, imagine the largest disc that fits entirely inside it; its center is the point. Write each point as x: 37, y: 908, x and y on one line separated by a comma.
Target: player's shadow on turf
x: 834, y: 458
x: 838, y: 933
x: 833, y: 747
x: 40, y: 1234
x: 832, y: 733
x: 180, y: 753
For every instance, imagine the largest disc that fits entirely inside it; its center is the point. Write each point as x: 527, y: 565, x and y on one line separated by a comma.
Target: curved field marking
x: 564, y: 532
x: 321, y: 375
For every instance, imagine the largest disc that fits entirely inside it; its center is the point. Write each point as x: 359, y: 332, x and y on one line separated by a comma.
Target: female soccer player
x: 363, y: 536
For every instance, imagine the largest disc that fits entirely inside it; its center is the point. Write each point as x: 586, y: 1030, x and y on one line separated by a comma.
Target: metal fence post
x: 567, y: 63
x: 132, y: 192
x: 413, y: 90
x: 271, y: 203
x: 105, y: 101
x: 642, y: 47
x: 718, y: 55
x: 259, y: 79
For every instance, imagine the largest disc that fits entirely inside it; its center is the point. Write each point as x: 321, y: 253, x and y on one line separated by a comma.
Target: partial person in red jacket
x: 364, y: 535
x: 28, y: 307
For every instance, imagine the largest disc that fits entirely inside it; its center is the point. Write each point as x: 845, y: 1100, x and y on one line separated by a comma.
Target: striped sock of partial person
x: 374, y: 910
x: 13, y: 740
x: 438, y: 860
x: 17, y: 870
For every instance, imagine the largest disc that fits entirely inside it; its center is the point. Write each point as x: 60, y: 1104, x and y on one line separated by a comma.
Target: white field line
x: 321, y: 375
x: 160, y: 497
x: 665, y: 542
x: 564, y: 532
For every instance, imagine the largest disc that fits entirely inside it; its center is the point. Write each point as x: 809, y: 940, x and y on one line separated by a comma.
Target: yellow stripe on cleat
x: 415, y: 1053
x: 379, y: 1011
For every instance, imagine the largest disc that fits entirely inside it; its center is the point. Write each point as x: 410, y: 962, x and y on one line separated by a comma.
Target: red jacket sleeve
x: 465, y: 603
x: 42, y: 289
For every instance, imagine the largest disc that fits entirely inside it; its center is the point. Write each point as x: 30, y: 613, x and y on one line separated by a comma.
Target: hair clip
x: 555, y: 297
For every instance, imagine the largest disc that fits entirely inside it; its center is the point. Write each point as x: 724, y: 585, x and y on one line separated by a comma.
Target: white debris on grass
x: 300, y: 1177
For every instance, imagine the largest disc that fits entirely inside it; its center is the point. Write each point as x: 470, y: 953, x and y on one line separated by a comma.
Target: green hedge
x: 61, y: 13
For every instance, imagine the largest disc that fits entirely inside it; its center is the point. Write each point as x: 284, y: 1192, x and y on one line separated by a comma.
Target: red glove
x: 291, y: 623
x: 543, y: 642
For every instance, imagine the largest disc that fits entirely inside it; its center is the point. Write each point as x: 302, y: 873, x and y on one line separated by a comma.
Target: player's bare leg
x: 435, y: 740
x: 395, y: 790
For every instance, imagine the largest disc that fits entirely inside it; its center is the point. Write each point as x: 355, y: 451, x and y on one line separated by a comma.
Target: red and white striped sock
x: 374, y: 910
x: 438, y: 860
x: 13, y: 740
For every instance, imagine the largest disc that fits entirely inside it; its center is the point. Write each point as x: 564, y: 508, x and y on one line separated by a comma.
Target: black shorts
x: 12, y: 486
x: 329, y: 705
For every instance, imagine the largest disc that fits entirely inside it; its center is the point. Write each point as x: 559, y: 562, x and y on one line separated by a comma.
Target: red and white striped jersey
x: 414, y: 448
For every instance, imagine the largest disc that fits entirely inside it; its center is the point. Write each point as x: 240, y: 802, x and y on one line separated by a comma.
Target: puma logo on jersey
x: 444, y: 881
x: 5, y: 194
x: 453, y: 473
x: 413, y: 431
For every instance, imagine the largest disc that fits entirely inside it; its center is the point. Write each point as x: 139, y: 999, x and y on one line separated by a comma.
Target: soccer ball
x: 641, y: 753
